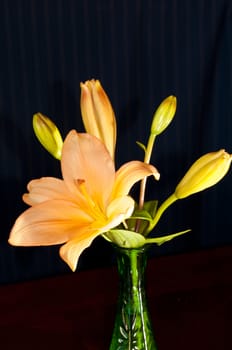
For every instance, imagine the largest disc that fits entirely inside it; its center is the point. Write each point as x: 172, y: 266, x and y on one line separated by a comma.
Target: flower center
x: 93, y: 208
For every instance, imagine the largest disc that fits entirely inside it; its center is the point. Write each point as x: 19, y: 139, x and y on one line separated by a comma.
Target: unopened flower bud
x: 97, y: 114
x: 163, y: 115
x: 48, y: 134
x: 205, y: 172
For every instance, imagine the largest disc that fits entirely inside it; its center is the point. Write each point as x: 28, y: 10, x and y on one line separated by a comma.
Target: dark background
x: 142, y: 51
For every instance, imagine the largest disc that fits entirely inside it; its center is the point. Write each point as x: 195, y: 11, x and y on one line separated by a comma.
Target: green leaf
x: 151, y: 207
x: 145, y: 215
x: 125, y: 238
x: 163, y: 239
x: 141, y: 214
x: 141, y: 145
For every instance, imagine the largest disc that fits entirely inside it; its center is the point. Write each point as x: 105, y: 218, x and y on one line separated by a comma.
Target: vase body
x: 132, y: 329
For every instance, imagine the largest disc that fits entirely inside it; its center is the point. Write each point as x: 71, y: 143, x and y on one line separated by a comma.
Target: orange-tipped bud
x: 97, y: 114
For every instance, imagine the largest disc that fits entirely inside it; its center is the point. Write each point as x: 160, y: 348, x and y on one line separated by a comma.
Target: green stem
x: 147, y: 158
x: 136, y: 290
x: 170, y: 200
x: 134, y: 275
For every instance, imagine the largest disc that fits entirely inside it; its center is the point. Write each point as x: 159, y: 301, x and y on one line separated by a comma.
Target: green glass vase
x: 132, y: 328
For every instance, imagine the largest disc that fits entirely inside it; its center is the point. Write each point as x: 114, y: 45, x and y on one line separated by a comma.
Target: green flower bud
x: 48, y: 134
x: 163, y: 115
x: 205, y: 172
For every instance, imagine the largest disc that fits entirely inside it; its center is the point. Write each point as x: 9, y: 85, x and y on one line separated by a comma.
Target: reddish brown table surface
x: 190, y: 298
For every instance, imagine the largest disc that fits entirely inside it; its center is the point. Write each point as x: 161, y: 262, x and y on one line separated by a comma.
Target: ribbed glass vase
x: 133, y: 328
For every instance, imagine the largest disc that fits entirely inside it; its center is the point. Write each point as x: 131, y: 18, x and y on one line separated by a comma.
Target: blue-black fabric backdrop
x: 142, y: 51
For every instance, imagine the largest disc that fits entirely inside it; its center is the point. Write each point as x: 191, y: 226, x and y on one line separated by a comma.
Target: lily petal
x: 48, y: 223
x: 85, y: 158
x: 119, y: 210
x: 129, y: 174
x: 71, y: 251
x: 46, y: 188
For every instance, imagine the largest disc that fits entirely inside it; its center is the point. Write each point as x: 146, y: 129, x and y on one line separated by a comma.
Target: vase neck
x: 131, y: 269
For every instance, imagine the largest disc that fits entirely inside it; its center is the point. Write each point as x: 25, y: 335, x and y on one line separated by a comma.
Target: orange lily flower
x: 91, y: 199
x: 97, y: 114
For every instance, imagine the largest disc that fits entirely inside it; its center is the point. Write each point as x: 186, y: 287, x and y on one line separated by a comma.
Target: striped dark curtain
x: 142, y: 51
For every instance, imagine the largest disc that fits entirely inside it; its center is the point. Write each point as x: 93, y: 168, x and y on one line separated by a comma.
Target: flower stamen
x: 96, y: 211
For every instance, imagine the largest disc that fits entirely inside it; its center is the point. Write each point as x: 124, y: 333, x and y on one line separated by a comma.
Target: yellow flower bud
x: 48, y: 134
x: 205, y: 172
x: 163, y: 115
x: 97, y: 114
